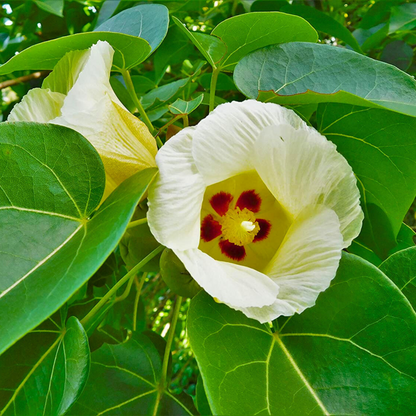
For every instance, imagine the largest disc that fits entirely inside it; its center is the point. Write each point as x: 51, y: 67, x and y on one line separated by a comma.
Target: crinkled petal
x: 175, y: 197
x: 301, y: 168
x: 305, y: 263
x: 38, y: 105
x: 223, y: 141
x: 237, y: 286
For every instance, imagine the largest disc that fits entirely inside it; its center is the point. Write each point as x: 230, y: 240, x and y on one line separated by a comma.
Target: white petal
x: 38, y: 105
x: 175, y: 197
x: 223, y: 141
x: 91, y: 108
x: 93, y: 81
x: 301, y: 168
x: 305, y: 263
x: 236, y: 286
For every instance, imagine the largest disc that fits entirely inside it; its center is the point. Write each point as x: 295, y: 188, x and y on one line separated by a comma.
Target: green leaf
x: 54, y: 182
x: 398, y: 53
x: 55, y: 7
x: 124, y: 379
x: 146, y: 21
x: 305, y: 73
x: 212, y: 48
x: 186, y: 107
x: 107, y: 9
x: 323, y: 23
x: 380, y: 146
x: 201, y: 400
x: 403, y: 17
x: 401, y: 269
x: 163, y: 93
x: 353, y: 353
x: 371, y: 38
x: 129, y: 51
x: 45, y: 372
x: 245, y: 33
x: 174, y: 50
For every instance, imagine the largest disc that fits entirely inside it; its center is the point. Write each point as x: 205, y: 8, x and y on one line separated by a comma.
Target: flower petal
x: 91, y: 108
x: 223, y: 141
x: 305, y: 263
x: 301, y: 167
x: 175, y: 197
x: 38, y: 105
x: 235, y: 285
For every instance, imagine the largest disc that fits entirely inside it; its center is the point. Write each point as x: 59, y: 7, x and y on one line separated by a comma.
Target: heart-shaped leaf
x: 51, y: 239
x: 352, y: 353
x: 245, y: 33
x: 305, y: 73
x: 45, y: 372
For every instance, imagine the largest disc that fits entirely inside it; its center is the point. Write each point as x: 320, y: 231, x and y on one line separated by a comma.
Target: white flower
x: 257, y: 205
x: 78, y: 94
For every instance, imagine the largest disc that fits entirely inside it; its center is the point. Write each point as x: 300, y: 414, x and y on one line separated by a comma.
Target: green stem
x: 139, y: 286
x: 126, y: 292
x: 120, y: 283
x: 214, y: 78
x: 185, y: 120
x: 136, y: 101
x: 177, y: 117
x: 137, y: 222
x: 171, y: 334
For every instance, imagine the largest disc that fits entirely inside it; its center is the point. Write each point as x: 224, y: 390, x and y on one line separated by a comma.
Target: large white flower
x: 257, y: 205
x: 78, y: 94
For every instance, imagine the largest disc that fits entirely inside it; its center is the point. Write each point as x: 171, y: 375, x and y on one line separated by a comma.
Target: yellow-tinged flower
x: 78, y: 94
x: 257, y: 205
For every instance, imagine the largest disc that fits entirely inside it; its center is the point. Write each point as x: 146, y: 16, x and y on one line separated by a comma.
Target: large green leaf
x: 323, y: 23
x: 401, y: 268
x: 245, y: 33
x: 380, y: 146
x: 45, y: 372
x: 305, y: 73
x: 129, y: 51
x: 147, y: 21
x: 124, y: 380
x: 353, y: 353
x: 51, y: 240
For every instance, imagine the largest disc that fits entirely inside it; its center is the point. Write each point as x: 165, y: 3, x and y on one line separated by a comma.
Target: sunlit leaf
x: 305, y: 73
x: 352, y: 353
x: 129, y: 51
x: 52, y: 241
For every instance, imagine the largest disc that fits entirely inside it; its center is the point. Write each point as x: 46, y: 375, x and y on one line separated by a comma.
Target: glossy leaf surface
x: 358, y: 341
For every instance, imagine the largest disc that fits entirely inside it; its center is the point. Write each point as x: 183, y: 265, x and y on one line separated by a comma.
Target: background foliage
x: 172, y: 78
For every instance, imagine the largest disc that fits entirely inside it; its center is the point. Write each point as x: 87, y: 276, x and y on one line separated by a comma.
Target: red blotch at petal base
x: 210, y: 228
x: 250, y: 200
x: 264, y: 231
x: 221, y: 202
x: 232, y: 251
